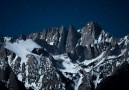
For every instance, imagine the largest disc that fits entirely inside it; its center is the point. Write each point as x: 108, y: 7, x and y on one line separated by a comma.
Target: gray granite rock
x: 90, y: 33
x: 62, y: 40
x: 72, y: 38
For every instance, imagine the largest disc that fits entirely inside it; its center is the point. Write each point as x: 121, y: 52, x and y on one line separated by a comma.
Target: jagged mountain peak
x: 61, y: 59
x: 63, y: 29
x: 72, y: 30
x: 93, y: 22
x: 22, y: 37
x: 72, y: 38
x: 93, y: 28
x: 91, y: 32
x: 71, y: 27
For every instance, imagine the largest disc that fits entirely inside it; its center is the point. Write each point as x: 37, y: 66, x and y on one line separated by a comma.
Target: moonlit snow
x: 21, y: 47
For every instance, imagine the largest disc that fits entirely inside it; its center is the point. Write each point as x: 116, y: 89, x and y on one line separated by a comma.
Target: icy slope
x: 22, y: 48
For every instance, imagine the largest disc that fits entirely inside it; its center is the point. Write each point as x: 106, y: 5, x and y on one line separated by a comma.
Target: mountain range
x: 61, y: 59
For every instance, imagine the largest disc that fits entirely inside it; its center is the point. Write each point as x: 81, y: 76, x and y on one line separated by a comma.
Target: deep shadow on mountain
x: 118, y: 81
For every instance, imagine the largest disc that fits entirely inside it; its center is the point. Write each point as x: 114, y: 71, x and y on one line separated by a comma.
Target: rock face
x: 90, y: 33
x: 62, y: 40
x: 61, y: 59
x: 72, y: 38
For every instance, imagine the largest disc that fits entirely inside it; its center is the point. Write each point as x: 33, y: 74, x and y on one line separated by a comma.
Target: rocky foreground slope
x: 61, y: 59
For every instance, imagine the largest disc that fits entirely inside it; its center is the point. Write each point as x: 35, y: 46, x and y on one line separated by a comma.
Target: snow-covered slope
x: 22, y: 48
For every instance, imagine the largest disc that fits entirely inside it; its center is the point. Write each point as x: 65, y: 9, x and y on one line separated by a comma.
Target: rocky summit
x: 61, y: 59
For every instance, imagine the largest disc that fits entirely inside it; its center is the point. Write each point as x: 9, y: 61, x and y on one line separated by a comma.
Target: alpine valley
x: 61, y: 59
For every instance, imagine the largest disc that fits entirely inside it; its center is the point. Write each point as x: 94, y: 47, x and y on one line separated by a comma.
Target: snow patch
x: 79, y: 81
x: 118, y: 63
x: 88, y: 69
x: 111, y: 57
x: 126, y: 42
x: 99, y: 39
x: 87, y: 62
x: 110, y: 39
x: 67, y: 64
x: 7, y: 38
x: 22, y: 48
x: 79, y: 30
x: 19, y: 77
x: 97, y: 81
x: 9, y: 58
x: 51, y: 43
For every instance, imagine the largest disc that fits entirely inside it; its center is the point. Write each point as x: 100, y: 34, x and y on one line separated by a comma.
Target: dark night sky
x: 26, y: 16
